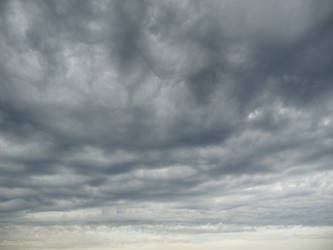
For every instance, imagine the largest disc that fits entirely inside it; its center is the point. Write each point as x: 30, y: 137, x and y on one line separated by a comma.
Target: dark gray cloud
x: 166, y: 113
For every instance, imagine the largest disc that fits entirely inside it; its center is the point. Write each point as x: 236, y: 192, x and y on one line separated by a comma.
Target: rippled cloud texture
x: 166, y: 124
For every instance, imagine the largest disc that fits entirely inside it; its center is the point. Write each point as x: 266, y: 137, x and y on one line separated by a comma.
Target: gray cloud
x: 166, y: 113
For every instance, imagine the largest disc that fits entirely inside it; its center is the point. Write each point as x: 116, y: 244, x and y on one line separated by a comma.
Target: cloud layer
x: 182, y: 116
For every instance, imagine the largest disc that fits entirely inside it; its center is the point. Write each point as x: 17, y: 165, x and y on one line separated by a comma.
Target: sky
x: 166, y: 125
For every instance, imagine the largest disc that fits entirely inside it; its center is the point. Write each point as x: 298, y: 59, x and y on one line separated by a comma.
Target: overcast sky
x: 166, y: 125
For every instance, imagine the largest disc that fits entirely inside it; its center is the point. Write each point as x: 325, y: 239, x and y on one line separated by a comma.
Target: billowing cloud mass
x: 166, y: 124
